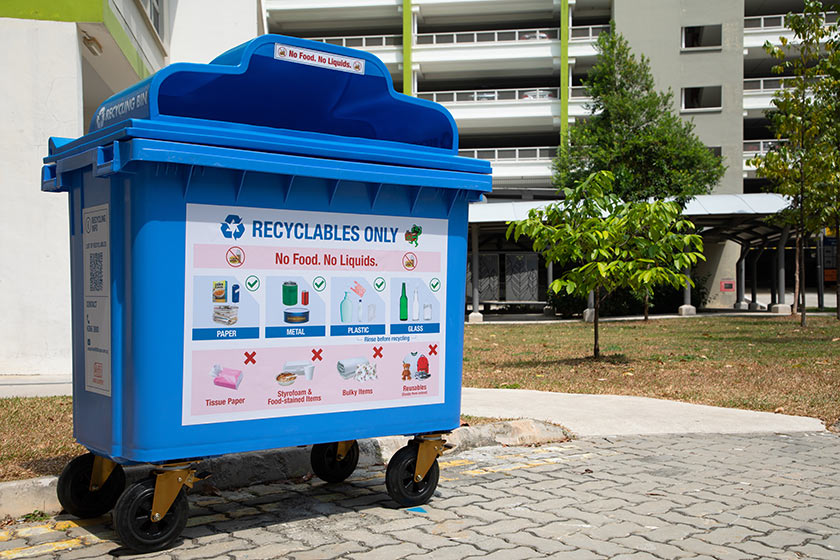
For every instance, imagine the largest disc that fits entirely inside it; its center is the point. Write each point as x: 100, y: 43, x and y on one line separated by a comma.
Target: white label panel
x: 291, y: 313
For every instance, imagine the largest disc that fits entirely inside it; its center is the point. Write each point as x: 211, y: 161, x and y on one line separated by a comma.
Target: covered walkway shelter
x: 512, y: 274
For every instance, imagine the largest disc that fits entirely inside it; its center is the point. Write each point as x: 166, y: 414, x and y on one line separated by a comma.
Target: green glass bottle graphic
x: 403, y: 305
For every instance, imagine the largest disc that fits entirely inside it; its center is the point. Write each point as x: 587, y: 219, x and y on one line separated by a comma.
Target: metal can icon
x: 304, y: 298
x: 290, y: 293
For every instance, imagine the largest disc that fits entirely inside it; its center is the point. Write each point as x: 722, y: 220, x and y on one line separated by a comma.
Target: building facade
x: 509, y: 71
x: 511, y: 74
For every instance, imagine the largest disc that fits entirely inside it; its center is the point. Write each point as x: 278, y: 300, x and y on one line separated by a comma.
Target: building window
x: 702, y: 37
x: 154, y: 9
x: 701, y: 98
x: 715, y: 150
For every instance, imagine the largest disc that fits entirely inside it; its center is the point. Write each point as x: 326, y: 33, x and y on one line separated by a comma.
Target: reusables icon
x: 233, y: 227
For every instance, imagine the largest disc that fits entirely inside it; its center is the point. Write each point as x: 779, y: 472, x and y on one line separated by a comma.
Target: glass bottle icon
x: 346, y: 309
x: 403, y: 305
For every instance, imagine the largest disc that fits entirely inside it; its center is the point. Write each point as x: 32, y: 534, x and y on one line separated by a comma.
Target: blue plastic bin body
x: 255, y: 148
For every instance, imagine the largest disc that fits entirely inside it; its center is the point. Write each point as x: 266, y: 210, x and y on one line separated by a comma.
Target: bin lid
x: 286, y: 95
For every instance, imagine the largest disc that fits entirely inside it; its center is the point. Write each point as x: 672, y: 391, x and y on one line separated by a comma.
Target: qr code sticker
x: 95, y: 274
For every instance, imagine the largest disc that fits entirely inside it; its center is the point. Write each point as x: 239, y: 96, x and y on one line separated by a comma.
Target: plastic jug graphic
x: 346, y: 309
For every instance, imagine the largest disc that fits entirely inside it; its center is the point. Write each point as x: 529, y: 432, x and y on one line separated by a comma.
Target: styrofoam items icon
x: 306, y: 369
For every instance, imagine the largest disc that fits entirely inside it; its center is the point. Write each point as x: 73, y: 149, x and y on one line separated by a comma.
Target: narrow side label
x: 97, y: 300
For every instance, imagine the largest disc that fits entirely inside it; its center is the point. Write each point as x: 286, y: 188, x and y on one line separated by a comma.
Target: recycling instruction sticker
x: 290, y: 313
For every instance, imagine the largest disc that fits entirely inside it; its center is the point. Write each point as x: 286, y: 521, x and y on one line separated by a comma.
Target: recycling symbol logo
x: 233, y: 227
x: 100, y: 118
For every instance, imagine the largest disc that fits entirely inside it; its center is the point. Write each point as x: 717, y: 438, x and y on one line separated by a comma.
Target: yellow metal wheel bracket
x: 429, y: 448
x: 343, y: 449
x: 167, y: 485
x: 102, y: 469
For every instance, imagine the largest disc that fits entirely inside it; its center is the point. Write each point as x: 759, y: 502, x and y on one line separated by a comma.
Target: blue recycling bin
x: 266, y: 251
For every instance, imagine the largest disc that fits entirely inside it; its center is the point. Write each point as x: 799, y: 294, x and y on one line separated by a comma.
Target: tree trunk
x: 596, y: 351
x: 647, y: 305
x: 794, y: 309
x: 803, y: 321
x: 837, y: 266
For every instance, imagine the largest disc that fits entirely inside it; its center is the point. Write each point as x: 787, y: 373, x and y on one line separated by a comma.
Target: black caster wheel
x: 133, y: 523
x: 327, y: 467
x: 399, y: 479
x: 74, y: 491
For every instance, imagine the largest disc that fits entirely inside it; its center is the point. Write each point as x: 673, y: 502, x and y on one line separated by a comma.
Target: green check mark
x: 319, y: 283
x: 252, y: 283
x: 379, y: 284
x: 434, y: 284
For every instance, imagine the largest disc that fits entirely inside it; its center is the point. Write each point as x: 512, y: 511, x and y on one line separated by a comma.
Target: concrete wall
x: 40, y: 96
x: 654, y: 28
x: 47, y: 76
x: 199, y: 38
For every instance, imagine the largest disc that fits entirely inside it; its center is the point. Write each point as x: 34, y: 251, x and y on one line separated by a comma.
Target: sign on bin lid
x: 318, y: 58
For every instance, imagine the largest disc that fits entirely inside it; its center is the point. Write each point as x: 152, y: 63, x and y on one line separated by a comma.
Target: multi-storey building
x: 511, y: 74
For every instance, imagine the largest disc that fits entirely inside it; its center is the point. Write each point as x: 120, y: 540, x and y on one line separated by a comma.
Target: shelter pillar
x: 548, y: 310
x: 686, y: 308
x: 754, y: 304
x: 475, y: 316
x: 820, y: 273
x: 775, y: 280
x: 740, y: 269
x: 781, y: 307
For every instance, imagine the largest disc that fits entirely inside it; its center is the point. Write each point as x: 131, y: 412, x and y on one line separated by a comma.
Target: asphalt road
x: 656, y: 496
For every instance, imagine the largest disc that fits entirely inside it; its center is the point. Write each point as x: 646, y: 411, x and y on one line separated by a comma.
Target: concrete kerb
x: 20, y: 497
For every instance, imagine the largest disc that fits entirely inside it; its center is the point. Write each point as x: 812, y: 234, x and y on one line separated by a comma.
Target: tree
x: 796, y: 166
x: 828, y: 98
x: 634, y: 133
x: 608, y: 243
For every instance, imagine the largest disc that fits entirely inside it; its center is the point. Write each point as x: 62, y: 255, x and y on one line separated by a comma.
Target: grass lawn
x: 36, y: 436
x: 762, y: 363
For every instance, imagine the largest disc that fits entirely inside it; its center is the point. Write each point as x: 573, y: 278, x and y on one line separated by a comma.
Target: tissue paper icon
x: 226, y: 377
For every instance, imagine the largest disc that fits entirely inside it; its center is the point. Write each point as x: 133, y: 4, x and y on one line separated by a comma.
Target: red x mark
x: 433, y: 349
x: 250, y: 358
x: 316, y: 354
x: 377, y: 352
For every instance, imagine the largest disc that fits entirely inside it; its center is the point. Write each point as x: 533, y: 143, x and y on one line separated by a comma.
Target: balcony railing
x: 362, y: 41
x: 753, y: 147
x: 511, y: 154
x: 587, y: 32
x: 485, y: 95
x: 577, y: 92
x: 510, y: 35
x: 778, y: 21
x: 763, y: 84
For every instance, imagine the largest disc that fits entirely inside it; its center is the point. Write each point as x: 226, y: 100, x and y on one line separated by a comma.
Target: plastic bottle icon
x: 403, y: 305
x: 415, y: 307
x: 346, y: 309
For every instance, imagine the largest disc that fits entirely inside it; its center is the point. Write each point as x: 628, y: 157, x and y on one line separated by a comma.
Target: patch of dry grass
x: 36, y: 436
x: 467, y: 420
x: 762, y: 363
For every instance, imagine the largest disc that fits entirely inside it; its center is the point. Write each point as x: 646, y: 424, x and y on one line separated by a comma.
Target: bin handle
x: 107, y: 160
x: 49, y: 179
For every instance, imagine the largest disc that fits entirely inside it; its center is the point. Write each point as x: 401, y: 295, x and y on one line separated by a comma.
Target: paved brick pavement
x: 653, y: 497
